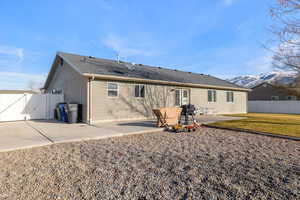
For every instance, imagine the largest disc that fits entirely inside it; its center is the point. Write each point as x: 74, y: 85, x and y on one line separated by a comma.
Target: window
x: 112, y: 89
x: 55, y: 91
x: 291, y: 98
x: 139, y: 91
x: 274, y: 98
x: 184, y: 98
x: 229, y: 96
x: 185, y: 93
x: 212, y: 96
x: 177, y: 97
x: 181, y: 97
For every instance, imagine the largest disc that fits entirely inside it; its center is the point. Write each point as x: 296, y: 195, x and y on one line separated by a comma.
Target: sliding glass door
x: 181, y: 97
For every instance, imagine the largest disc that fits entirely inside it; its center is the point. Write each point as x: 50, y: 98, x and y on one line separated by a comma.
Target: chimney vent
x: 118, y: 58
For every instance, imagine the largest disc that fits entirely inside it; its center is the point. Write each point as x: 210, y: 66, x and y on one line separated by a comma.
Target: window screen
x: 212, y: 96
x: 139, y: 90
x: 185, y: 93
x: 112, y: 89
x: 290, y: 98
x: 230, y: 96
x: 274, y: 98
x: 177, y: 97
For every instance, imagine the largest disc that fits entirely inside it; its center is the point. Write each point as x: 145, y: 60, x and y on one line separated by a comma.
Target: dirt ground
x: 208, y: 164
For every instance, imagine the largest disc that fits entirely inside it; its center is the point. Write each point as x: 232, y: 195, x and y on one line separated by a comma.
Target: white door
x: 181, y: 97
x: 184, y: 97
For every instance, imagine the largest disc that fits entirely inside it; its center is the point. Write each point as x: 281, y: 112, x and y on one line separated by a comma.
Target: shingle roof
x: 91, y: 65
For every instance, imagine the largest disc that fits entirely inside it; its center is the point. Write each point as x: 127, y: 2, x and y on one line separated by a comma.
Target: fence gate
x: 15, y: 107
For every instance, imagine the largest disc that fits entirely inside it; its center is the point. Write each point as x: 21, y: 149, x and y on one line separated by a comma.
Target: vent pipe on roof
x: 118, y: 58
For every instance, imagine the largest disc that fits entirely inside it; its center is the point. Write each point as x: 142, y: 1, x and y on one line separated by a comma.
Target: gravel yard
x: 208, y: 164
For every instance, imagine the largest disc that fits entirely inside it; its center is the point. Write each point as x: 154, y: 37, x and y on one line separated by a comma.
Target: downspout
x: 247, y: 103
x: 190, y: 98
x: 90, y: 100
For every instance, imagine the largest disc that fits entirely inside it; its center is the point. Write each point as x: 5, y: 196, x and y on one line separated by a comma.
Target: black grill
x: 188, y: 110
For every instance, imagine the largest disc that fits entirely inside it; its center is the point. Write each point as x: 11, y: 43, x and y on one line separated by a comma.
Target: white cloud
x: 12, y: 74
x: 125, y: 47
x: 261, y: 64
x: 13, y: 51
x: 11, y: 58
x: 228, y: 2
x: 35, y: 77
x: 16, y: 80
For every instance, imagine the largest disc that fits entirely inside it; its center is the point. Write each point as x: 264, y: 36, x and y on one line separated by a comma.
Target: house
x: 267, y: 92
x: 111, y: 90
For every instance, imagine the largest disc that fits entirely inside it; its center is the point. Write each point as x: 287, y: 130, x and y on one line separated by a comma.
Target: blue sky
x: 219, y: 37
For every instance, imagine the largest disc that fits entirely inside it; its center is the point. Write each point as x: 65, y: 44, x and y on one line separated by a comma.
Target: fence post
x: 24, y: 106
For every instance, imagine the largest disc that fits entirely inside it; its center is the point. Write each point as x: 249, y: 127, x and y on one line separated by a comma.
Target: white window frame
x: 179, y: 93
x: 140, y: 96
x: 107, y: 89
x: 276, y: 98
x: 214, y: 96
x: 228, y: 100
x: 181, y: 96
x: 293, y: 98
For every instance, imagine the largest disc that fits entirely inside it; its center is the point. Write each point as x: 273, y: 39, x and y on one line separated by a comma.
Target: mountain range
x: 281, y: 77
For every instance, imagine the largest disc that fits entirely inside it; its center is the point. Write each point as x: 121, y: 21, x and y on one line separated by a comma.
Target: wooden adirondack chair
x: 167, y: 116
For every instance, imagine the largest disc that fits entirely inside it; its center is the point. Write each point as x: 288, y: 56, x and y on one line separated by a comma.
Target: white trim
x: 293, y: 98
x: 108, y: 82
x: 182, y: 96
x: 275, y: 99
x: 181, y: 92
x: 172, y: 83
x: 88, y: 102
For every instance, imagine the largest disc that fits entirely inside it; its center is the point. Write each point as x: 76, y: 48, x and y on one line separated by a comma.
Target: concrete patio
x: 27, y: 134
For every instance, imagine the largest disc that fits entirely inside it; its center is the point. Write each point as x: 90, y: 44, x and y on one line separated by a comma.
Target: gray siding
x: 72, y: 84
x: 199, y: 98
x: 126, y: 106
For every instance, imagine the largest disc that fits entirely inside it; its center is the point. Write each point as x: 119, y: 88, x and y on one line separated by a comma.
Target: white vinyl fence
x: 15, y: 107
x: 289, y: 107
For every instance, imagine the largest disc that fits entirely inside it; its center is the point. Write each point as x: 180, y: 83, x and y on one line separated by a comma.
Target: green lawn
x: 284, y: 124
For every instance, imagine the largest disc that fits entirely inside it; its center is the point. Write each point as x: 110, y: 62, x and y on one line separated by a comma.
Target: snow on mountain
x: 282, y: 77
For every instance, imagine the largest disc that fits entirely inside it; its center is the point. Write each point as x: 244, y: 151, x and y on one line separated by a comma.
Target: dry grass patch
x: 283, y: 124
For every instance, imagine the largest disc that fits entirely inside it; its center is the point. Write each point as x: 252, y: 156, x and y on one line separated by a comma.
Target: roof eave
x: 51, y: 72
x: 53, y: 68
x: 120, y: 78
